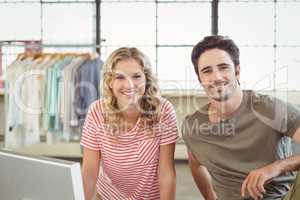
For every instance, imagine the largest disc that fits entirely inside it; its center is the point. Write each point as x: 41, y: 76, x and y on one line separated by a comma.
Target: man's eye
x: 224, y: 67
x: 206, y: 71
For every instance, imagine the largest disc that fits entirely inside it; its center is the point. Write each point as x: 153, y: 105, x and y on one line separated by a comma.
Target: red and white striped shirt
x: 129, y: 167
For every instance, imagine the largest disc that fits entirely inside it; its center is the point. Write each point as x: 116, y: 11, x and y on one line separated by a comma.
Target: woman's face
x: 128, y: 83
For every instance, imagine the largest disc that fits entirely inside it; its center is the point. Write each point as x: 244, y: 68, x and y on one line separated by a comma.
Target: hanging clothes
x: 86, y: 82
x: 18, y: 110
x: 69, y: 89
x: 43, y: 96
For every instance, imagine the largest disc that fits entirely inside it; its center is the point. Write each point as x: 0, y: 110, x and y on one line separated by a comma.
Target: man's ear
x: 237, y: 72
x: 199, y: 79
x: 198, y: 75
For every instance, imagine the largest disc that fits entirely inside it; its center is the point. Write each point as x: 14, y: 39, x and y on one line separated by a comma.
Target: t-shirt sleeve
x: 286, y: 117
x: 168, y: 125
x: 292, y: 122
x: 281, y: 116
x: 89, y: 136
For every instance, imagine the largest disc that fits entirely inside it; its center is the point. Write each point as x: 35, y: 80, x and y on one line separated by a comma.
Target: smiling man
x: 239, y: 144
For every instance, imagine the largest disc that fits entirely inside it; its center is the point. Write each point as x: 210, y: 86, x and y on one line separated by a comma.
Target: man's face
x: 217, y: 74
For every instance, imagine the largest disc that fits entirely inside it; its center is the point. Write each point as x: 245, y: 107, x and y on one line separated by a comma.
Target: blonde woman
x: 129, y: 134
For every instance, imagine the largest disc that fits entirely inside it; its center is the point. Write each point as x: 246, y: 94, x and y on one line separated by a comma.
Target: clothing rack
x: 21, y: 43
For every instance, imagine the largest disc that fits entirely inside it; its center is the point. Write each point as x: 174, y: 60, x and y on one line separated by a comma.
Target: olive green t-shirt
x: 253, y: 137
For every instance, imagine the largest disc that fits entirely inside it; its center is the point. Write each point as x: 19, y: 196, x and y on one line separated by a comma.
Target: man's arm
x: 166, y: 172
x: 202, y: 178
x: 254, y: 182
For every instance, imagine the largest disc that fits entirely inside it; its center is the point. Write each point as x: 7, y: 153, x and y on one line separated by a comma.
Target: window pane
x: 184, y: 0
x: 247, y: 23
x: 126, y: 1
x: 68, y: 23
x: 175, y: 70
x: 289, y: 59
x: 21, y: 21
x: 288, y: 30
x: 257, y: 68
x: 20, y: 1
x: 247, y: 1
x: 68, y: 50
x: 183, y: 23
x: 68, y: 0
x: 128, y: 24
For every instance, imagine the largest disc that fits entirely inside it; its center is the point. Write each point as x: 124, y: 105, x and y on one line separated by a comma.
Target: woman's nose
x: 128, y: 83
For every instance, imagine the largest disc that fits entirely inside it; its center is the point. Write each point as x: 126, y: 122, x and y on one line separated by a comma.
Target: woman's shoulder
x: 166, y: 105
x: 97, y: 105
x: 97, y: 109
x: 167, y: 111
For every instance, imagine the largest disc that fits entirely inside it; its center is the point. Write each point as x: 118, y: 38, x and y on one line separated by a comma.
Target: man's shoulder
x: 265, y: 104
x: 199, y: 114
x: 260, y: 98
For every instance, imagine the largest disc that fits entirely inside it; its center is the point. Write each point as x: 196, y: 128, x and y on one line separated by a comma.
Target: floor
x: 186, y: 189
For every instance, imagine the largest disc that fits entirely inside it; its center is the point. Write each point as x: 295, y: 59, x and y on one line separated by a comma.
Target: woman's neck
x: 131, y: 115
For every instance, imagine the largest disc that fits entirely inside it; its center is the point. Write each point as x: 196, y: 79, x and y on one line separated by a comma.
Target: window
x: 68, y: 23
x: 20, y: 21
x: 257, y: 68
x: 289, y: 59
x: 244, y: 22
x: 166, y: 30
x: 180, y: 26
x: 175, y: 69
x: 183, y: 23
x: 268, y: 41
x: 129, y: 24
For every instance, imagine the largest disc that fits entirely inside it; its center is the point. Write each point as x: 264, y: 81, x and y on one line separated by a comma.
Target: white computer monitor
x: 24, y: 177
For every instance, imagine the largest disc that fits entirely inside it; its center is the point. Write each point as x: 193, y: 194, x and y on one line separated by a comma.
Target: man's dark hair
x: 212, y: 42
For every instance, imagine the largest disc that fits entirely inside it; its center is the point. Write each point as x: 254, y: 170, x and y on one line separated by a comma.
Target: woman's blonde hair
x: 149, y: 103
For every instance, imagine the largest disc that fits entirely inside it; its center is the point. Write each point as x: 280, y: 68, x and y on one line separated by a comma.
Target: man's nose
x: 216, y: 75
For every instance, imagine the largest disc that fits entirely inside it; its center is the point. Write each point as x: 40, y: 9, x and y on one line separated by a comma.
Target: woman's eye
x: 119, y: 77
x: 137, y: 76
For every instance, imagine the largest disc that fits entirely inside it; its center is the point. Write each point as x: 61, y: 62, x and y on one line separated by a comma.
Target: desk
x: 73, y: 151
